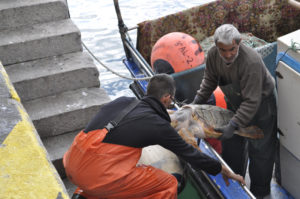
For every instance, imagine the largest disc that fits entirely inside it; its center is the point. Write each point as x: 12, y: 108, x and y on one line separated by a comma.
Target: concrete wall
x: 25, y: 168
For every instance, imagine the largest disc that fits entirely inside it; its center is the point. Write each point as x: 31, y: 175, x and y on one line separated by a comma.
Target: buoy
x: 219, y: 100
x: 175, y: 52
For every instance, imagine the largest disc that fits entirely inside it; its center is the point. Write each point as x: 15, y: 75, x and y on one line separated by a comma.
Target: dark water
x: 98, y: 24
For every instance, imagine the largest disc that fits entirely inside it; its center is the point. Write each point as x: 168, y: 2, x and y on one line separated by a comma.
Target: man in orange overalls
x: 104, y: 164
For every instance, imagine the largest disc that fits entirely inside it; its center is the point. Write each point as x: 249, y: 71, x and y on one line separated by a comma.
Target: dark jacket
x: 149, y: 124
x: 248, y: 71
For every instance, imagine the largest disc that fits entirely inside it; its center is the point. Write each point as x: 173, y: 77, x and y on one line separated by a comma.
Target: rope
x: 295, y: 46
x: 106, y: 67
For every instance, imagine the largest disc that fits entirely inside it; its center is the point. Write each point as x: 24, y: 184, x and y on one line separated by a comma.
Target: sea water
x: 98, y: 24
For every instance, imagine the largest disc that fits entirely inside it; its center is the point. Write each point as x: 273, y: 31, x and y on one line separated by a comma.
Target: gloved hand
x: 227, y: 130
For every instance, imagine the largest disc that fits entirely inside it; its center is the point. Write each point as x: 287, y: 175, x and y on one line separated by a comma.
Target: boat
x: 263, y: 23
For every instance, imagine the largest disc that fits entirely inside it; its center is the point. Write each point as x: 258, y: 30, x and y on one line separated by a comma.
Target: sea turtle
x: 199, y: 121
x: 193, y: 121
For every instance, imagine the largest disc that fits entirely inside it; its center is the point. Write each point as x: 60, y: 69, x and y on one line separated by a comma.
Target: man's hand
x: 227, y: 130
x: 226, y: 174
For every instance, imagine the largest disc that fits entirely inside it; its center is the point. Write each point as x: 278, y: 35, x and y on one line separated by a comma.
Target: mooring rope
x: 114, y: 72
x: 102, y: 64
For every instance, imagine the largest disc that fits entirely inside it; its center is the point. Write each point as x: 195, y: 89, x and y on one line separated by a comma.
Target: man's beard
x: 229, y: 62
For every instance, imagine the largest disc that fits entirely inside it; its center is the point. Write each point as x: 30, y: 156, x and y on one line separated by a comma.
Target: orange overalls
x: 104, y: 170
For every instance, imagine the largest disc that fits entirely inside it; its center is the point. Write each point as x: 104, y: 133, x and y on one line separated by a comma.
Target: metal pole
x: 122, y: 28
x: 143, y: 64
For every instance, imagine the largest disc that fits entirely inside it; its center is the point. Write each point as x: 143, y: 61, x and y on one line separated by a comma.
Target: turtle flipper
x: 252, y: 132
x: 188, y: 137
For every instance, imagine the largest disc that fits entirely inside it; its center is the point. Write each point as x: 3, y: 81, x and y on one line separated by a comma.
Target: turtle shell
x: 213, y: 115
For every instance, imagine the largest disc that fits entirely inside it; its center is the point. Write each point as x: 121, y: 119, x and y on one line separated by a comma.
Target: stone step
x: 53, y: 75
x: 14, y: 13
x: 39, y: 41
x: 57, y: 147
x: 65, y: 112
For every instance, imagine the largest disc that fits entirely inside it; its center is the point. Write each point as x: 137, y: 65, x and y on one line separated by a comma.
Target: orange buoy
x: 175, y: 52
x: 220, y: 98
x: 220, y: 102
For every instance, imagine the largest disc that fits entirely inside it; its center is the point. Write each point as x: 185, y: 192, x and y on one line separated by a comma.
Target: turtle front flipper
x: 252, y: 132
x: 210, y: 131
x: 188, y: 137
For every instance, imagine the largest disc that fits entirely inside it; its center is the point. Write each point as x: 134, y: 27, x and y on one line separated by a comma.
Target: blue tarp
x: 290, y: 61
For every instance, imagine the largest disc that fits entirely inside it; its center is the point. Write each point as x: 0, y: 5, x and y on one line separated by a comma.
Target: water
x: 98, y: 24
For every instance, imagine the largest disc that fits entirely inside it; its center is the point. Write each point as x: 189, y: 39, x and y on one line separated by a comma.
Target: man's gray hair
x: 226, y: 33
x: 161, y: 85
